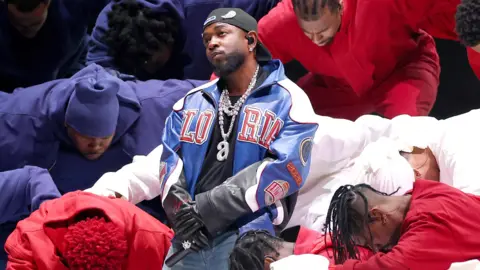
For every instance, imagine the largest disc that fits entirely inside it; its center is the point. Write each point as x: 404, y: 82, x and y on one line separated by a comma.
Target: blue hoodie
x: 23, y: 190
x: 58, y: 50
x: 33, y: 130
x: 189, y: 59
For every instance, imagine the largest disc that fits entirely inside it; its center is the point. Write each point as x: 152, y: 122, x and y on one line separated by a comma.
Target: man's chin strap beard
x: 233, y: 62
x: 222, y: 73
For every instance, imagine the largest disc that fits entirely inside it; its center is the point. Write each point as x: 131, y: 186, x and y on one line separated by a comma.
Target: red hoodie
x: 313, y: 242
x: 377, y: 58
x: 36, y: 243
x: 441, y: 227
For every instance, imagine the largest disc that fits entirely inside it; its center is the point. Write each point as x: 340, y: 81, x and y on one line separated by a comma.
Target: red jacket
x: 313, y: 242
x: 373, y: 41
x: 437, y: 17
x: 440, y: 228
x: 29, y: 246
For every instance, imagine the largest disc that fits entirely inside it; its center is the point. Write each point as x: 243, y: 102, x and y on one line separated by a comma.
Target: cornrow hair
x: 251, y: 249
x: 343, y: 221
x: 135, y: 31
x: 26, y: 5
x: 310, y: 10
x: 467, y: 20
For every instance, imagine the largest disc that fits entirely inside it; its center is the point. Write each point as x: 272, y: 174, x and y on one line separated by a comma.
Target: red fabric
x: 474, y: 59
x: 313, y: 242
x: 38, y: 241
x: 440, y: 23
x: 82, y: 248
x: 439, y: 229
x: 375, y: 52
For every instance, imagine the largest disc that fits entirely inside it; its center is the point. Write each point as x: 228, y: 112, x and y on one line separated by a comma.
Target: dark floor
x: 459, y: 89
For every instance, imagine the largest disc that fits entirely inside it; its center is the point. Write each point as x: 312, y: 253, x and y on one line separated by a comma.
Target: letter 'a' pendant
x: 222, y: 148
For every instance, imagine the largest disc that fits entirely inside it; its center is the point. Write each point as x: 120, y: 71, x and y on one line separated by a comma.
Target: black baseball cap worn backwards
x: 239, y: 18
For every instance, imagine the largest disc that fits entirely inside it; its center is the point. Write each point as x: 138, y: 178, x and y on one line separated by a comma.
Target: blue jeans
x: 214, y: 258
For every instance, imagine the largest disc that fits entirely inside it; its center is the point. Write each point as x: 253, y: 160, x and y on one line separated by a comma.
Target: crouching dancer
x: 84, y: 231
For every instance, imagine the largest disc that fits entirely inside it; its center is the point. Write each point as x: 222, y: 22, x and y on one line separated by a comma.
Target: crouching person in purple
x: 235, y: 149
x: 23, y: 190
x: 85, y: 126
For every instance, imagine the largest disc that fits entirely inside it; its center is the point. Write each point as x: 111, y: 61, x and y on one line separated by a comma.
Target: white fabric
x: 379, y: 165
x: 304, y: 262
x: 454, y: 142
x: 469, y: 265
x: 456, y: 149
x: 136, y: 182
x: 301, y: 110
x: 406, y: 130
x: 383, y: 168
x: 337, y: 143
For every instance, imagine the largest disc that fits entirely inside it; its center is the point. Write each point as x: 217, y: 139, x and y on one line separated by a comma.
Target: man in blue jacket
x: 159, y: 39
x: 42, y: 40
x: 83, y: 127
x: 234, y: 148
x: 23, y: 190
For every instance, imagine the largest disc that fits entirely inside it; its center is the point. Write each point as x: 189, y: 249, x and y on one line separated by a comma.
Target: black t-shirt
x: 215, y: 172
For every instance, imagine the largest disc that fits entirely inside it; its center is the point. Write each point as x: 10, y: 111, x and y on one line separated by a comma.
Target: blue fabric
x: 55, y: 52
x: 213, y: 258
x: 33, y: 131
x: 189, y: 59
x: 23, y: 190
x: 262, y: 220
x: 98, y: 98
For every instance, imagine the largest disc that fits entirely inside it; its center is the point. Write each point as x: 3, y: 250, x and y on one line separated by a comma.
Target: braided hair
x: 135, y: 31
x: 344, y: 222
x: 251, y: 249
x: 310, y: 10
x: 468, y: 22
x: 26, y: 6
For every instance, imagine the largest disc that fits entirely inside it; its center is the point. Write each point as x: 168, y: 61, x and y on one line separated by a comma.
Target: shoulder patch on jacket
x: 301, y: 110
x: 179, y: 104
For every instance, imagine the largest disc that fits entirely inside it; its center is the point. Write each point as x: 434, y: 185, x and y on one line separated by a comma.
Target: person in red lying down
x: 84, y: 231
x: 363, y: 56
x: 430, y: 227
x: 259, y: 250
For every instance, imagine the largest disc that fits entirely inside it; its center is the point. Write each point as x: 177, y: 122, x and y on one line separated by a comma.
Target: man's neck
x: 402, y: 206
x: 237, y: 82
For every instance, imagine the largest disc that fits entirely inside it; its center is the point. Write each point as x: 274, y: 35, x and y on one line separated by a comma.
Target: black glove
x: 189, y: 227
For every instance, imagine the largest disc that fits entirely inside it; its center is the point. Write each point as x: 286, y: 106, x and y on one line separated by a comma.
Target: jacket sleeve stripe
x: 301, y: 110
x: 172, y: 178
x: 251, y: 192
x: 280, y: 213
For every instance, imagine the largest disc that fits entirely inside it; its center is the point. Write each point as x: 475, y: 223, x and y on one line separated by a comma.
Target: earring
x: 251, y: 49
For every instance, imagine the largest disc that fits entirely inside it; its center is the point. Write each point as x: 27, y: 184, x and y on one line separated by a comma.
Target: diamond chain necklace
x: 227, y: 108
